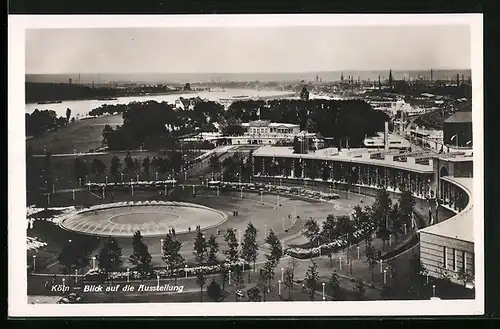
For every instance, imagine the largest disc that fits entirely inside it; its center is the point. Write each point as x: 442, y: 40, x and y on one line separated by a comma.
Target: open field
x: 80, y: 136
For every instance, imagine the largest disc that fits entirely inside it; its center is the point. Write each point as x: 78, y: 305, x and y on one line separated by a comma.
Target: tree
x: 250, y: 247
x: 293, y: 264
x: 140, y: 257
x: 129, y: 163
x: 380, y: 213
x: 311, y: 231
x: 288, y: 280
x: 80, y: 169
x: 146, y: 163
x: 312, y: 280
x: 187, y: 87
x: 200, y: 281
x: 296, y: 145
x: 214, y: 291
x: 238, y: 280
x: 406, y: 206
x: 74, y: 255
x: 200, y: 247
x: 329, y: 228
x: 232, y: 251
x: 214, y: 163
x: 171, y: 254
x: 68, y: 114
x: 417, y: 279
x: 110, y: 256
x: 254, y: 294
x: 213, y: 249
x: 359, y: 289
x: 115, y: 167
x: 224, y: 274
x: 97, y: 167
x: 137, y: 166
x: 276, y: 249
x: 265, y: 277
x: 335, y: 285
x: 371, y: 258
x: 465, y: 276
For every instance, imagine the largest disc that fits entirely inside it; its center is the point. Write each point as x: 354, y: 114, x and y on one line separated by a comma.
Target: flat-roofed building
x: 457, y: 130
x: 447, y: 248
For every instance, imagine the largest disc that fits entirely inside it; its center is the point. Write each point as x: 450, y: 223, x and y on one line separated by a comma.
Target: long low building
x: 447, y: 247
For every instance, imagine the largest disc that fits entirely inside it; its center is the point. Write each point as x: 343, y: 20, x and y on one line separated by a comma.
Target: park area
x: 267, y: 212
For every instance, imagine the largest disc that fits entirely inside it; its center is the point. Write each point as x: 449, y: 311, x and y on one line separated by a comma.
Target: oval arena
x: 153, y: 218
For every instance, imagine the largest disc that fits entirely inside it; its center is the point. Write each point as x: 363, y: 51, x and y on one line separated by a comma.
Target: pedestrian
x: 189, y: 229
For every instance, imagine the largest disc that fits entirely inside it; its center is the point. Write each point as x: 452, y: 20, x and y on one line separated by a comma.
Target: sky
x: 246, y: 49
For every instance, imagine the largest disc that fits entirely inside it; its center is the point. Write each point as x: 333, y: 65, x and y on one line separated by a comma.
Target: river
x: 81, y: 108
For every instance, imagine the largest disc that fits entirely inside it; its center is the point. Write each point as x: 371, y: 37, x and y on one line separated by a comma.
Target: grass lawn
x: 80, y: 136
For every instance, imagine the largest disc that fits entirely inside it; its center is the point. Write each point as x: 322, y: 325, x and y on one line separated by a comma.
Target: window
x: 444, y: 258
x: 464, y: 261
x: 455, y: 260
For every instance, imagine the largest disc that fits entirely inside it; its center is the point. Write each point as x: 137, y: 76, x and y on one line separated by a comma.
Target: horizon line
x: 264, y: 72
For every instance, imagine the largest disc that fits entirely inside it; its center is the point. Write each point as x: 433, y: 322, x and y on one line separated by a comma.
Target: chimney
x: 386, y: 136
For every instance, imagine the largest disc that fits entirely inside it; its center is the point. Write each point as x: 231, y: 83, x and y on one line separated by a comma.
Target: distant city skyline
x: 236, y: 50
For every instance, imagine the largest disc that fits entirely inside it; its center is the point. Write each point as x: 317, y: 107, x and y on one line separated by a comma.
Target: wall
x: 432, y: 255
x: 463, y: 129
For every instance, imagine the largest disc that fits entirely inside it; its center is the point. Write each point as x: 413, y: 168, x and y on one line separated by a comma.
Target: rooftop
x: 361, y: 156
x: 460, y: 117
x: 460, y: 226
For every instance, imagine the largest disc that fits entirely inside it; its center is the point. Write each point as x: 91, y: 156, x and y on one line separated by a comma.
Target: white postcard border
x: 17, y: 300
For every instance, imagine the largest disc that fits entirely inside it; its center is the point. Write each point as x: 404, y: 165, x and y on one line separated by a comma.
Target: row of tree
x: 156, y: 125
x: 172, y: 163
x: 336, y: 119
x: 40, y: 122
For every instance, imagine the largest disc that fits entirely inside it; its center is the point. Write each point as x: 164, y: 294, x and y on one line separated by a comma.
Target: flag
x: 453, y: 137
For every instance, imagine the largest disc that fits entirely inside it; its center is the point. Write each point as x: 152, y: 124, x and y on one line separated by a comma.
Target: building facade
x: 446, y: 247
x: 457, y: 130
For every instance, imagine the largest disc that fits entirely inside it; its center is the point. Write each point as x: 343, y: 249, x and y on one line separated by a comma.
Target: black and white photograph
x: 246, y: 165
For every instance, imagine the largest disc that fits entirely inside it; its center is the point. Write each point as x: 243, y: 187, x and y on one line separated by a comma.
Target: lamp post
x: 390, y: 240
x: 385, y: 276
x: 106, y: 180
x: 34, y: 263
x: 128, y: 275
x: 165, y: 189
x: 73, y: 195
x: 132, y: 186
x: 137, y: 178
x: 340, y: 263
x: 76, y: 276
x: 405, y: 228
x: 93, y: 262
x: 122, y: 176
x: 381, y: 264
x: 104, y: 192
x: 156, y: 175
x: 218, y: 191
x: 433, y: 290
x: 161, y: 244
x: 80, y: 181
x: 323, y: 286
x: 229, y: 277
x: 358, y: 251
x: 279, y: 288
x: 157, y: 279
x: 185, y: 270
x: 241, y: 193
x: 63, y: 286
x: 282, y: 269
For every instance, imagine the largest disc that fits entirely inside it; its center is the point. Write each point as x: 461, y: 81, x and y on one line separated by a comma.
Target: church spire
x: 341, y: 76
x: 390, y: 77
